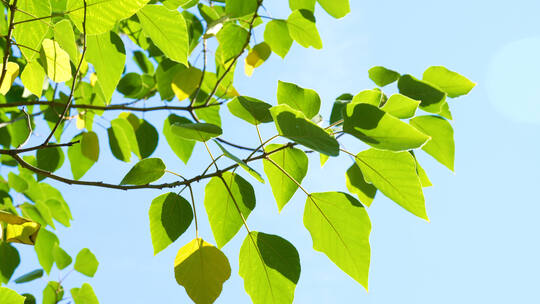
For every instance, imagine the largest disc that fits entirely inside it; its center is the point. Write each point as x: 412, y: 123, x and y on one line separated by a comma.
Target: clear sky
x: 482, y: 243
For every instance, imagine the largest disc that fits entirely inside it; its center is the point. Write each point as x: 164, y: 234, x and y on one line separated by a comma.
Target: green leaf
x: 450, y: 82
x: 84, y: 155
x: 130, y: 85
x: 9, y: 296
x: 59, y: 210
x: 196, y: 131
x: 31, y: 34
x: 61, y: 258
x: 170, y: 216
x: 28, y: 277
x: 107, y: 54
x: 16, y: 182
x: 394, y: 174
x: 339, y: 226
x: 195, y: 29
x: 143, y: 62
x: 84, y: 295
x: 50, y: 159
x: 56, y: 61
x: 379, y: 129
x: 18, y: 131
x: 63, y: 34
x: 12, y: 71
x: 45, y: 243
x: 101, y: 15
x: 302, y: 4
x: 202, y: 269
x: 305, y: 100
x: 181, y: 147
x: 301, y: 25
x: 232, y: 39
x: 33, y: 77
x: 240, y: 8
x: 276, y: 34
x: 372, y: 97
x: 250, y: 109
x: 295, y: 126
x: 10, y: 260
x: 337, y: 109
x: 441, y: 146
x: 357, y: 184
x: 424, y: 179
x: 165, y: 73
x: 167, y: 29
x: 294, y: 162
x: 53, y: 293
x: 270, y: 267
x: 185, y: 82
x: 147, y: 138
x: 431, y: 98
x: 241, y: 163
x: 223, y: 207
x: 401, y: 106
x: 29, y: 299
x: 122, y: 139
x: 144, y: 172
x: 86, y: 263
x: 45, y: 213
x: 336, y: 8
x: 382, y: 76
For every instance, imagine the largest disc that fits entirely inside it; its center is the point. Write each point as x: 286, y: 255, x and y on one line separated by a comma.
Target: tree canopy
x: 66, y: 66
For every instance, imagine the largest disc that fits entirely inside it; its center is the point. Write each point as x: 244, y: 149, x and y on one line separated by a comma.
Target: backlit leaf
x: 379, y: 129
x: 241, y: 163
x: 240, y: 8
x: 170, y: 216
x: 181, y: 147
x: 31, y: 34
x: 357, y: 184
x: 12, y: 71
x: 86, y: 263
x: 401, y: 106
x: 250, y: 109
x: 256, y: 57
x: 270, y: 267
x: 394, y: 174
x: 144, y: 172
x: 294, y: 162
x: 452, y: 83
x: 10, y: 259
x: 202, y: 269
x: 107, y: 54
x: 9, y: 296
x: 84, y: 295
x: 431, y: 98
x: 441, y: 146
x: 32, y: 77
x: 102, y: 15
x: 305, y: 100
x: 336, y: 8
x: 223, y: 206
x: 196, y: 131
x: 56, y: 61
x: 301, y: 25
x: 167, y: 29
x: 339, y: 226
x: 276, y: 34
x: 45, y: 243
x: 295, y: 126
x: 382, y: 76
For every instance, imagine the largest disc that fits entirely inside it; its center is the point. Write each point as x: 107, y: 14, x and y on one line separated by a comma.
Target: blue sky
x: 481, y: 245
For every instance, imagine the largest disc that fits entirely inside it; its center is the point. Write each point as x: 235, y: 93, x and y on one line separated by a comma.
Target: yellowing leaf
x: 57, y: 61
x: 257, y: 57
x: 12, y: 71
x: 19, y: 229
x: 202, y: 269
x: 185, y: 82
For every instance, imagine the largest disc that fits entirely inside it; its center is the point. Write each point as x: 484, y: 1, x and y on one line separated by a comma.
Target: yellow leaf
x: 93, y: 79
x: 256, y: 57
x: 186, y: 82
x: 57, y: 61
x: 202, y: 269
x: 12, y: 72
x: 19, y: 229
x: 80, y: 122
